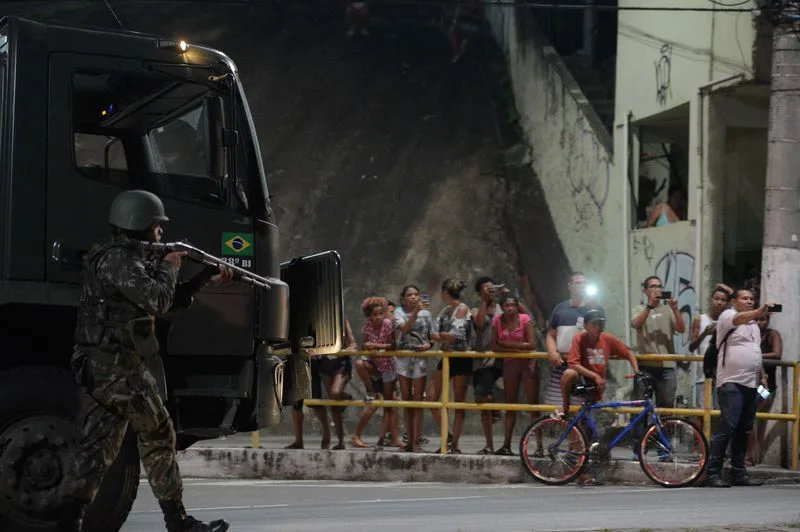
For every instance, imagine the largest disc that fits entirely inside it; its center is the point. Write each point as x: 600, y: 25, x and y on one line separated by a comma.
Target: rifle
x: 201, y: 257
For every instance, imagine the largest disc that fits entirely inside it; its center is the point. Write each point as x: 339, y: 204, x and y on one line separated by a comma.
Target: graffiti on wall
x: 644, y: 247
x: 676, y: 270
x: 588, y: 169
x: 664, y: 74
x: 667, y: 252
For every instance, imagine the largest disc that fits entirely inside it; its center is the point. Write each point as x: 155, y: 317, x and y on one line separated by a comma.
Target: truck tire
x: 37, y: 435
x: 114, y: 499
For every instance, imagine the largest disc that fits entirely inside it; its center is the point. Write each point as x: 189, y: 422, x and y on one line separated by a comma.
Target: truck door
x: 92, y: 159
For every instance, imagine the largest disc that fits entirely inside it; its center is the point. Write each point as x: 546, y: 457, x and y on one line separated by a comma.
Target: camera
x: 666, y: 294
x: 777, y: 307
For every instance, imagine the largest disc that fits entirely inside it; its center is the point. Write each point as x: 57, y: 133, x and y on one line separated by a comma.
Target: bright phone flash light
x: 591, y: 290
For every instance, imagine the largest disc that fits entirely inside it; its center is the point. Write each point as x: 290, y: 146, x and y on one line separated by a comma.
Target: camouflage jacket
x: 120, y: 285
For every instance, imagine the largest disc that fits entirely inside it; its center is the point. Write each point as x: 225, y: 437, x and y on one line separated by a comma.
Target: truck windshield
x: 138, y: 129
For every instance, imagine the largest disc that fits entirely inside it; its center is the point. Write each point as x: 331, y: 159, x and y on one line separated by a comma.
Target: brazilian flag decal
x: 237, y: 244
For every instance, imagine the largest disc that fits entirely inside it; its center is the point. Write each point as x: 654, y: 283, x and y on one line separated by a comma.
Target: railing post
x: 445, y: 399
x: 796, y: 412
x: 707, y: 406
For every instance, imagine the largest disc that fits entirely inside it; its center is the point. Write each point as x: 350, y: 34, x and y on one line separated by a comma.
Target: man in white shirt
x: 739, y: 370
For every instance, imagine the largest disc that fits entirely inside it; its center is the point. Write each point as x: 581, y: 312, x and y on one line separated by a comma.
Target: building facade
x: 691, y: 118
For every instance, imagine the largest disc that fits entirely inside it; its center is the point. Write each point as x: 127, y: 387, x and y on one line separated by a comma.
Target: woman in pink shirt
x: 513, y: 333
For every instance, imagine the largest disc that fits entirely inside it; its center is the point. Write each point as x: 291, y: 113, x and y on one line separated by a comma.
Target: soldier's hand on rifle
x: 224, y: 277
x: 174, y: 258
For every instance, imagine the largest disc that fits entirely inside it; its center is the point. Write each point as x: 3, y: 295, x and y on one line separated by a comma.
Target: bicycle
x: 663, y: 437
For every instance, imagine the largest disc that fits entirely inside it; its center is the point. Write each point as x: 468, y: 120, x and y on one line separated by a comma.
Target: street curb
x: 388, y: 466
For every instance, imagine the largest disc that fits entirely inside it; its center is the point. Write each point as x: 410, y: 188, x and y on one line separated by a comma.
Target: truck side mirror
x: 214, y: 123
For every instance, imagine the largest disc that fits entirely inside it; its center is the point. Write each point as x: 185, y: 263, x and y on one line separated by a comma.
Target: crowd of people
x: 578, y: 350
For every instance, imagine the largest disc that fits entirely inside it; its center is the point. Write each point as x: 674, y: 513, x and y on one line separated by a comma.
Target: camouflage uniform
x: 115, y: 335
x: 123, y: 293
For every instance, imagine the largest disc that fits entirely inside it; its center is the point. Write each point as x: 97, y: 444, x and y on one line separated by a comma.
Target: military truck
x: 84, y: 114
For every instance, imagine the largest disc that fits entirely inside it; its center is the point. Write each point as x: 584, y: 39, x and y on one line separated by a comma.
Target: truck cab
x: 84, y: 115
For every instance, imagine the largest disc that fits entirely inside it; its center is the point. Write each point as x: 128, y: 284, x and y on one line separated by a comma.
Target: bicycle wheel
x: 674, y: 453
x: 550, y: 463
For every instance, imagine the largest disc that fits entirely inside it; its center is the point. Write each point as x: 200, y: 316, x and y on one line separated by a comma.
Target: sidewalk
x: 233, y: 457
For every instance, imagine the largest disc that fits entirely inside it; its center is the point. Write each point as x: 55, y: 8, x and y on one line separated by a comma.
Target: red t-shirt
x: 595, y: 357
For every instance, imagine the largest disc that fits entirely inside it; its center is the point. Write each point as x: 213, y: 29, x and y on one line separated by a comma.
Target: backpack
x: 712, y: 352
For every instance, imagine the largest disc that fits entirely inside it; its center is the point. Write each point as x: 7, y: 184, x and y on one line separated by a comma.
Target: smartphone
x: 666, y: 294
x: 763, y: 392
x: 775, y: 308
x: 425, y: 300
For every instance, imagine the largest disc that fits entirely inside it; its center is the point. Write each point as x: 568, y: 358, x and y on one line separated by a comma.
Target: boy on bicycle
x: 588, y: 358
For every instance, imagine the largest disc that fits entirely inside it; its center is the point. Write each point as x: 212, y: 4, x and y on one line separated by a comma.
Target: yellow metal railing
x: 444, y: 403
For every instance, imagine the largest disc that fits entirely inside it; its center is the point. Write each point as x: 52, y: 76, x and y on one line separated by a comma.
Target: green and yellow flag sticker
x: 237, y: 244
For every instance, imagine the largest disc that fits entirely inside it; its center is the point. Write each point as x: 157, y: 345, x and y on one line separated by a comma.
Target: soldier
x: 115, y: 334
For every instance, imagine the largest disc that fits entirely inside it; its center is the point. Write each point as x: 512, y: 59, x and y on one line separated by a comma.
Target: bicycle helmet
x: 595, y: 316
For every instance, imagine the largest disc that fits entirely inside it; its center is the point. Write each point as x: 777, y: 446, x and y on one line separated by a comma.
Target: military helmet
x: 595, y: 315
x: 136, y: 210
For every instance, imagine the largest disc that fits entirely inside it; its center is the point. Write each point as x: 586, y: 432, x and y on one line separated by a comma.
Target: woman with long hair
x: 413, y: 325
x: 451, y: 334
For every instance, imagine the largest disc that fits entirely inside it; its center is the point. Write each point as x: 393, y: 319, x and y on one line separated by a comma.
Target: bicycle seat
x: 584, y: 390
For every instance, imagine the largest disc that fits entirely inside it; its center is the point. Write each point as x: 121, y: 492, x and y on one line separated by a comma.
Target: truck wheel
x: 37, y: 436
x: 114, y: 499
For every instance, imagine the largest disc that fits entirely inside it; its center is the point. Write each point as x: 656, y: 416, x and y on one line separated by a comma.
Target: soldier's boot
x: 71, y: 516
x: 178, y: 521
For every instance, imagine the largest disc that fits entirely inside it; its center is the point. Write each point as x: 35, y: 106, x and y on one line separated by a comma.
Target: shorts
x: 458, y: 366
x: 483, y: 380
x: 411, y: 367
x: 517, y: 369
x: 553, y: 394
x: 327, y: 368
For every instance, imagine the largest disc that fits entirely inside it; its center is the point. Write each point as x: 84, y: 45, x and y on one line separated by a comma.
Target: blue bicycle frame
x: 584, y: 412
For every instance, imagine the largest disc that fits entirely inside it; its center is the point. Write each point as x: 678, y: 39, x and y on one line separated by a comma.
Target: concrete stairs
x: 597, y: 83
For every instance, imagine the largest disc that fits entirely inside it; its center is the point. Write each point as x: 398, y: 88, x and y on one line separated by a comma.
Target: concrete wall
x: 664, y: 56
x: 571, y: 155
x: 663, y: 60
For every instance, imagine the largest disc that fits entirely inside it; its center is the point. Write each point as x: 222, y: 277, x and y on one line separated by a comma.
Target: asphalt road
x: 294, y: 506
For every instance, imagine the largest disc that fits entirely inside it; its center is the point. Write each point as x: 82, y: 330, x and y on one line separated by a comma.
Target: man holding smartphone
x: 656, y: 325
x: 739, y: 371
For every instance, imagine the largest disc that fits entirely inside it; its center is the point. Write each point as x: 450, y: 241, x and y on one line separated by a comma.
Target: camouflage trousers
x: 117, y: 391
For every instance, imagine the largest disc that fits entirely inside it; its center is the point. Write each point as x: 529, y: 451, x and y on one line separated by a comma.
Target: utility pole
x: 780, y: 263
